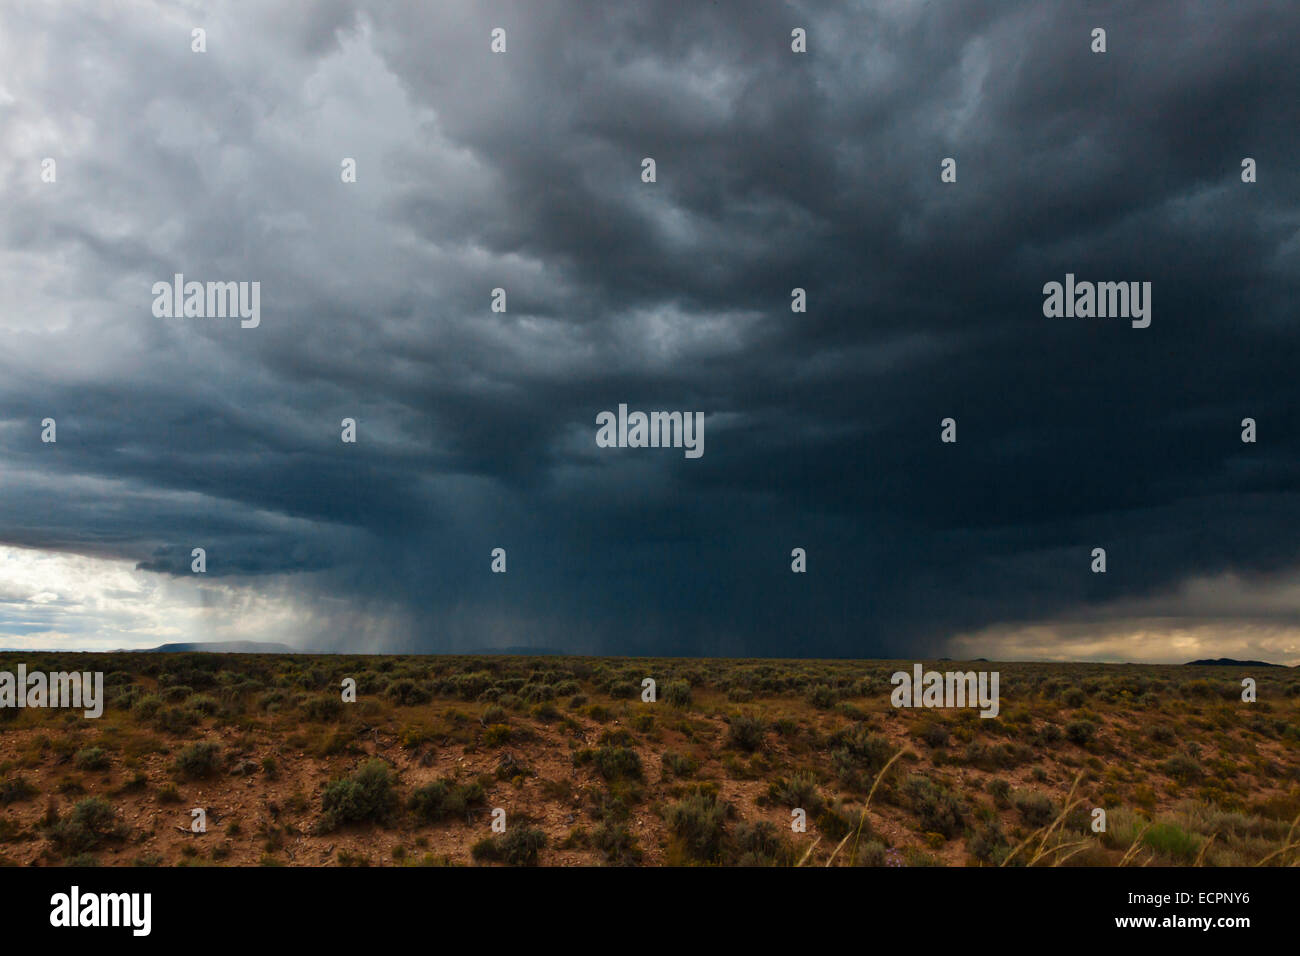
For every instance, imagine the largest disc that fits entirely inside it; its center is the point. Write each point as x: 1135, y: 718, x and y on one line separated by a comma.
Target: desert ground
x: 585, y: 772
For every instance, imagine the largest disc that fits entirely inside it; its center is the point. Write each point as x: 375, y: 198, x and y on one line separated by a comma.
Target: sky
x: 774, y: 170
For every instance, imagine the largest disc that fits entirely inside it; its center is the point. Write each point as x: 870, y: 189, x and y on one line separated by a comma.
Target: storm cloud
x: 775, y: 170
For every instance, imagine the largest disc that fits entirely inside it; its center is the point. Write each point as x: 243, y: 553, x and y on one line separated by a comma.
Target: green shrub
x: 92, y: 821
x: 678, y: 693
x: 760, y: 844
x: 616, y: 842
x: 1162, y: 734
x: 537, y: 693
x: 935, y: 735
x: 1036, y: 809
x: 1182, y: 768
x: 365, y: 796
x: 679, y: 764
x: 858, y: 755
x: 146, y: 707
x: 1000, y: 790
x: 445, y: 798
x: 834, y: 822
x: 91, y: 758
x: 408, y: 693
x: 14, y: 789
x: 939, y: 811
x: 518, y: 847
x: 168, y: 793
x: 612, y: 763
x: 870, y: 853
x: 323, y: 708
x: 988, y: 844
x: 203, y: 704
x: 623, y: 690
x: 746, y: 732
x: 1172, y: 841
x: 699, y: 821
x: 1080, y: 732
x: 197, y: 760
x: 821, y: 697
x: 799, y: 791
x: 176, y: 720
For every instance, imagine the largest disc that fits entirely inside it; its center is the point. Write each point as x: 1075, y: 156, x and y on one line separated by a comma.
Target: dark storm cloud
x: 774, y: 171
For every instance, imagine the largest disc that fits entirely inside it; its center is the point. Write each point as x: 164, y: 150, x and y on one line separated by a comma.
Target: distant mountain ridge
x: 1230, y: 662
x: 222, y: 647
